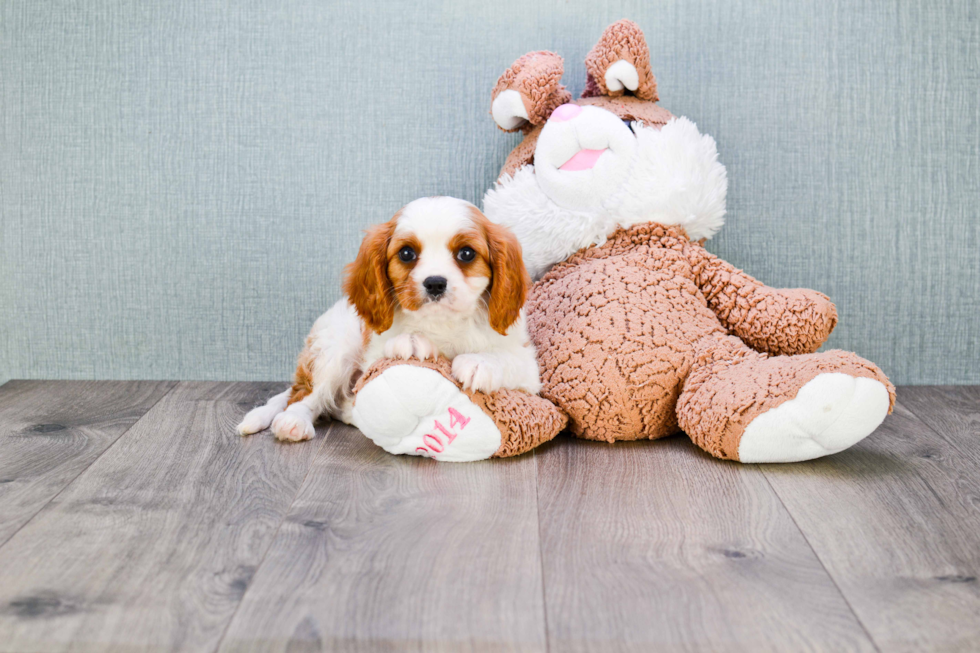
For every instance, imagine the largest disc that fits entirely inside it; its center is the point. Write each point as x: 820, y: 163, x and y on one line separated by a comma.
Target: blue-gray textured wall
x: 181, y: 181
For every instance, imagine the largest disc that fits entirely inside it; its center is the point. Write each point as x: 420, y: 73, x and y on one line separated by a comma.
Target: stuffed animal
x: 641, y: 333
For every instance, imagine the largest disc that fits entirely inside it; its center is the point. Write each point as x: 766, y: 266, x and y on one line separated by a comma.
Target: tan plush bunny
x: 641, y: 333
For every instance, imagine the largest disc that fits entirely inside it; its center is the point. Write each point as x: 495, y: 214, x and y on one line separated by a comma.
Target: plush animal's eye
x: 465, y: 254
x: 628, y: 123
x: 406, y: 254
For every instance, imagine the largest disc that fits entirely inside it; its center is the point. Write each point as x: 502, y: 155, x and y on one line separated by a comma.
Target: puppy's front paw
x: 407, y: 345
x: 291, y: 427
x: 477, y: 372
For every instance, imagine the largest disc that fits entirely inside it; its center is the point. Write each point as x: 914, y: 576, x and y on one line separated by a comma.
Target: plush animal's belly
x: 615, y: 340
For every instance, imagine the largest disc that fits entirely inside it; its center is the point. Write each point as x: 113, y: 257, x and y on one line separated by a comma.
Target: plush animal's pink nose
x: 565, y: 112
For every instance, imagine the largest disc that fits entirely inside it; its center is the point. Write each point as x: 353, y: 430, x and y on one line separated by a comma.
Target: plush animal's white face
x: 594, y: 173
x: 583, y: 156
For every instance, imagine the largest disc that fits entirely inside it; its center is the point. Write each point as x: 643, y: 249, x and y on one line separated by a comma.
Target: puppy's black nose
x: 435, y: 286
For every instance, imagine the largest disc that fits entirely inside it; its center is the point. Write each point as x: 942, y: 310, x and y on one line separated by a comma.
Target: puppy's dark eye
x: 465, y: 254
x: 407, y: 254
x: 628, y: 123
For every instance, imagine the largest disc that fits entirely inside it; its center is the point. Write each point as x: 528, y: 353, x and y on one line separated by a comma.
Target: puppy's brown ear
x: 366, y: 281
x: 510, y: 283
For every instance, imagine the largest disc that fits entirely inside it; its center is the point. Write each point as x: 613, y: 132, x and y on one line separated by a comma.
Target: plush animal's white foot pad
x: 829, y: 414
x: 292, y: 427
x: 417, y: 411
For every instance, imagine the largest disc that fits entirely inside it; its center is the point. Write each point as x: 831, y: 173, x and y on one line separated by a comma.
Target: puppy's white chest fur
x: 449, y: 335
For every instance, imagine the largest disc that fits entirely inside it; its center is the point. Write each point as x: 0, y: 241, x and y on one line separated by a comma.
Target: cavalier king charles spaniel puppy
x: 438, y: 279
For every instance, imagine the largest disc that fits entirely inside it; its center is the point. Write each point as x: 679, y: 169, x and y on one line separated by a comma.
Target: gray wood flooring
x: 132, y: 518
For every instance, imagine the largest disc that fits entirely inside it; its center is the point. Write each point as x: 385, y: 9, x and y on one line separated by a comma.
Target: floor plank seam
x: 544, y: 588
x: 833, y: 580
x: 94, y: 460
x: 272, y: 540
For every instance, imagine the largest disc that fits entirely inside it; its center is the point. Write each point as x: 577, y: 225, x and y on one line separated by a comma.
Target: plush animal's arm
x: 771, y: 320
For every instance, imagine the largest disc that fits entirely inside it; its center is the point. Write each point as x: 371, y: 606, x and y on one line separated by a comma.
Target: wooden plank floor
x: 132, y: 518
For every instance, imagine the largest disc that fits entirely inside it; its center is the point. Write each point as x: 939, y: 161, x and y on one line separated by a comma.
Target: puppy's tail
x: 259, y: 419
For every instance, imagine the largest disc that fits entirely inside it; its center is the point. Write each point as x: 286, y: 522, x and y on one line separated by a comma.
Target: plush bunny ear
x: 528, y: 91
x: 620, y: 62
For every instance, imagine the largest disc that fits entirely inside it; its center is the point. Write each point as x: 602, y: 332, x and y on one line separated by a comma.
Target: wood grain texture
x: 953, y: 412
x: 656, y: 546
x: 386, y: 553
x: 50, y: 431
x: 896, y: 521
x: 152, y: 547
x: 183, y: 536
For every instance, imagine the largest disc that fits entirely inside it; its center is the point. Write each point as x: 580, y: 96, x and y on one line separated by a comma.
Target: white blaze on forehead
x: 435, y: 220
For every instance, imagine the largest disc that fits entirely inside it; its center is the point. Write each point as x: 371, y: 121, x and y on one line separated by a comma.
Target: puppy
x: 438, y: 279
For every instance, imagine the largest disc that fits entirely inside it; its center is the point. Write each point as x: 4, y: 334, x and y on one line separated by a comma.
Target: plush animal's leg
x: 259, y: 418
x: 742, y: 405
x: 417, y: 408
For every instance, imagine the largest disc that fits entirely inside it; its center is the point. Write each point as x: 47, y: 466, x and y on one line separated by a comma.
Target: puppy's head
x: 439, y: 257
